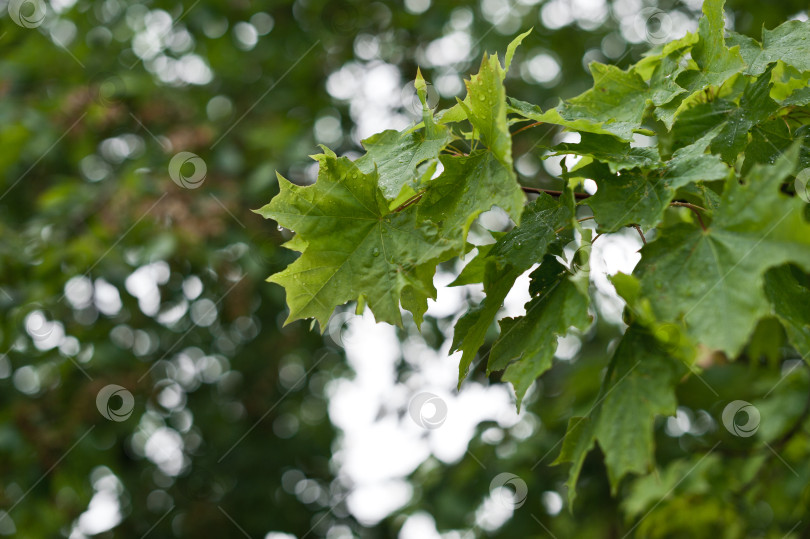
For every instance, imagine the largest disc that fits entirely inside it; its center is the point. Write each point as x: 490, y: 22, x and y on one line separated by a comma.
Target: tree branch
x: 413, y: 200
x: 581, y: 196
x: 551, y: 192
x: 525, y: 127
x: 695, y: 209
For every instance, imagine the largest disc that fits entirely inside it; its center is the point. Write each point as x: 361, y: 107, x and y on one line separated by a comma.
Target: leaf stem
x: 525, y: 127
x: 640, y: 233
x: 578, y: 221
x: 413, y: 200
x: 695, y: 209
x: 677, y: 203
x: 552, y: 192
x: 451, y: 147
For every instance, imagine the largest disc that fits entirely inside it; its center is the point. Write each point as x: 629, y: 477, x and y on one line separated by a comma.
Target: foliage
x: 722, y: 204
x: 96, y: 100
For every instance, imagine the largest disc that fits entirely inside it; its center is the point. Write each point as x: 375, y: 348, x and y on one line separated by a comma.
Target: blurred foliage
x: 167, y: 296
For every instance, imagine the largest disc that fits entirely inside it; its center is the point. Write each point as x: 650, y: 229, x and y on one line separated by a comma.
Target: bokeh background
x: 124, y: 265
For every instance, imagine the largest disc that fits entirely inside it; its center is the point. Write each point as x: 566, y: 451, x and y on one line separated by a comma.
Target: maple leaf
x: 354, y: 247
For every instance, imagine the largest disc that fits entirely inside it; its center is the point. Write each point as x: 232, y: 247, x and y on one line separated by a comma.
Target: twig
x: 695, y: 209
x: 552, y: 192
x: 640, y: 233
x: 578, y: 221
x: 525, y: 127
x: 677, y: 203
x: 413, y: 200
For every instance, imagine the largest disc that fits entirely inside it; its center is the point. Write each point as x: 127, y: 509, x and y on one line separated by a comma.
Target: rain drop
x: 375, y: 252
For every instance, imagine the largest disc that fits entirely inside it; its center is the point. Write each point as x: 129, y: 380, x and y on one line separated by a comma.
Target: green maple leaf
x: 788, y: 290
x: 469, y: 186
x: 542, y: 222
x: 789, y: 86
x: 617, y: 100
x: 474, y: 183
x: 578, y: 442
x: 511, y: 255
x: 789, y: 42
x: 696, y: 121
x: 471, y: 329
x: 663, y: 88
x: 511, y: 48
x: 485, y: 89
x: 735, y: 121
x: 396, y: 156
x: 770, y: 140
x: 354, y: 248
x: 615, y: 105
x: 712, y: 64
x: 756, y: 106
x: 617, y: 154
x: 692, y: 164
x: 552, y: 116
x: 690, y: 275
x: 475, y: 269
x: 641, y: 197
x: 526, y: 345
x: 638, y: 387
x: 716, y: 62
x: 634, y: 197
x: 485, y: 107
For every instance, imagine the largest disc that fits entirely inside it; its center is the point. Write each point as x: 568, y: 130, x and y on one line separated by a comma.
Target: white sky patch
x: 453, y: 48
x: 165, y: 448
x: 374, y: 91
x: 419, y: 525
x: 611, y: 254
x: 143, y: 284
x: 104, y: 510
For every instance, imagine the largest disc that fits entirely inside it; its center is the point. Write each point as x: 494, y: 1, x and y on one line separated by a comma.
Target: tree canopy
x: 153, y: 384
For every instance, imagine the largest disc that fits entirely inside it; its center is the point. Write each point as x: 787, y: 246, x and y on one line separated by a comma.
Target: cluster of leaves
x: 715, y: 193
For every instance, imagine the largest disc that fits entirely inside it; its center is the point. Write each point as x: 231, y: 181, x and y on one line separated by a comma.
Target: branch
x: 677, y: 203
x: 640, y: 233
x: 695, y: 209
x: 551, y: 192
x: 413, y: 200
x: 525, y: 127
